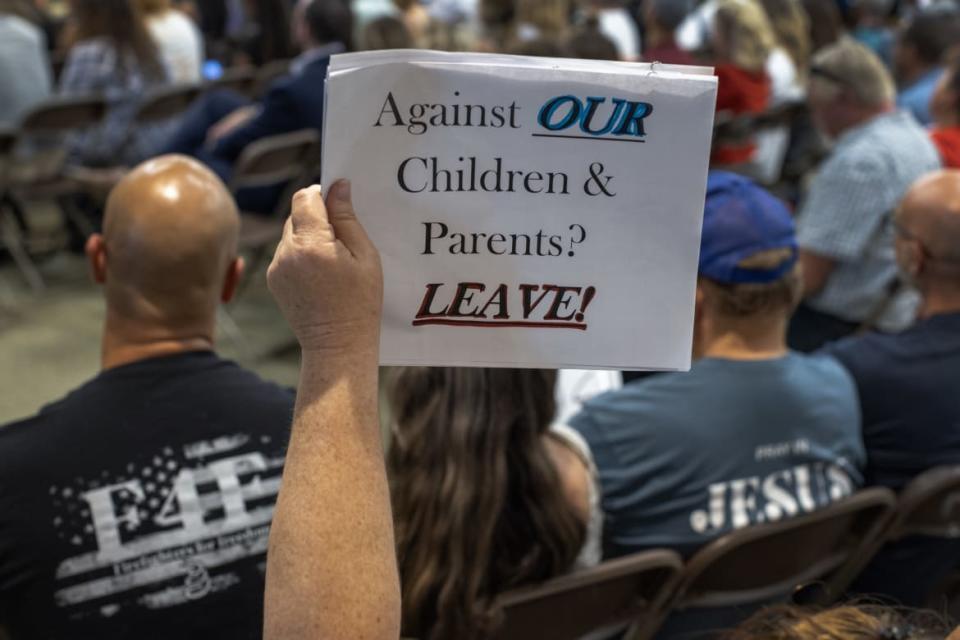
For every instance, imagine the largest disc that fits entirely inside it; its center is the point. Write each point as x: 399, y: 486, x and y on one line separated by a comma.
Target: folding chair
x: 605, y: 597
x: 289, y: 159
x: 743, y: 570
x: 35, y: 170
x: 927, y: 515
x: 268, y: 73
x: 166, y: 103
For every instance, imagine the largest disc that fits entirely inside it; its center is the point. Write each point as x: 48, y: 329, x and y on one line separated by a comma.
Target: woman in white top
x: 177, y: 37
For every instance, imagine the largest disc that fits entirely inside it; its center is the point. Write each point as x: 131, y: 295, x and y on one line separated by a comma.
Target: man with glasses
x: 843, y: 227
x: 909, y: 383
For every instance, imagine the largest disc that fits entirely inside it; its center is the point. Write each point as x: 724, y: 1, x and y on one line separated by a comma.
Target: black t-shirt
x: 139, y: 505
x: 909, y: 386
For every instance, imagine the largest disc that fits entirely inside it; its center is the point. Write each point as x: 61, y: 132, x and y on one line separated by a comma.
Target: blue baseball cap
x: 741, y: 219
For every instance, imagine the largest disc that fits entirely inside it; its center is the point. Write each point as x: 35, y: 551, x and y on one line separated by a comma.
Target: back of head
x: 669, y: 14
x: 386, y: 32
x: 477, y: 501
x: 541, y: 47
x: 849, y: 69
x: 121, y: 23
x: 170, y: 235
x: 826, y: 23
x: 791, y: 25
x: 588, y: 43
x: 846, y: 622
x: 749, y: 258
x: 930, y: 215
x: 931, y: 32
x: 329, y: 21
x: 746, y: 34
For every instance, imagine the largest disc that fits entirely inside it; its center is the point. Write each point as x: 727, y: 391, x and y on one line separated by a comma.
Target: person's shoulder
x: 632, y: 401
x: 229, y: 374
x: 856, y: 353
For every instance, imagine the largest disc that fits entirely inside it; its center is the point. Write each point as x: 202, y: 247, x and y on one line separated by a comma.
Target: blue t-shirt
x: 909, y: 385
x: 916, y: 97
x: 684, y: 458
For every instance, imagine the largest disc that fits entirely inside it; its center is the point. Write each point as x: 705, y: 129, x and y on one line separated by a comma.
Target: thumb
x: 343, y: 219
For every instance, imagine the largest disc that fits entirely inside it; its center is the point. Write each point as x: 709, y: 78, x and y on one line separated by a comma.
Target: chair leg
x: 12, y: 240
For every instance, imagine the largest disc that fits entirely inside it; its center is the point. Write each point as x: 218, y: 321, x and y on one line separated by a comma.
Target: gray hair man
x: 844, y: 223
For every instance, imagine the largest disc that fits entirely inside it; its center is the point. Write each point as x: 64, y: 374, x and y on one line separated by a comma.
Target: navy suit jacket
x: 294, y: 102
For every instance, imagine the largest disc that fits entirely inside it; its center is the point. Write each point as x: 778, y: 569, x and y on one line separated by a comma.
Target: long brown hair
x: 478, y: 502
x: 120, y: 22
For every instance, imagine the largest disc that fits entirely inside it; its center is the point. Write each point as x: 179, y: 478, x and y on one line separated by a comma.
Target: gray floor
x: 50, y: 341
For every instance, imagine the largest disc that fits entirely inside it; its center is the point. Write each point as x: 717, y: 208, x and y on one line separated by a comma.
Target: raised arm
x: 331, y: 568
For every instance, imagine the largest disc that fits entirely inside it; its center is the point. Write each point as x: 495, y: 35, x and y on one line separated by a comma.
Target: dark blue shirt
x: 909, y: 386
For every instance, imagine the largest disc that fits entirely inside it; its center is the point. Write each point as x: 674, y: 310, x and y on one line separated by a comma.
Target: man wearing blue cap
x: 754, y: 432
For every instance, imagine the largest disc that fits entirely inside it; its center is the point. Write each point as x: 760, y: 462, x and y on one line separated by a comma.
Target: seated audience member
x: 588, y: 43
x: 332, y: 566
x: 844, y: 230
x: 742, y: 40
x: 218, y: 127
x: 264, y: 34
x: 945, y: 107
x: 138, y: 506
x: 843, y: 622
x: 178, y: 39
x: 113, y: 55
x: 872, y: 28
x: 661, y: 19
x: 386, y: 32
x: 908, y: 383
x: 486, y: 496
x: 614, y: 22
x: 826, y: 23
x: 918, y: 58
x: 25, y: 78
x: 754, y: 432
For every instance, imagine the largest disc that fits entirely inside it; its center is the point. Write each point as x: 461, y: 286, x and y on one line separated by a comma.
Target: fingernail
x: 342, y: 189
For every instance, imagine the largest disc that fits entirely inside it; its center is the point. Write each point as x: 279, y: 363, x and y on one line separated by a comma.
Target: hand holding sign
x: 326, y: 275
x: 529, y: 212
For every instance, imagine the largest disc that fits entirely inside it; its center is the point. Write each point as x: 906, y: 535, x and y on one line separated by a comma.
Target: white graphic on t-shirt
x: 166, y: 535
x: 754, y: 500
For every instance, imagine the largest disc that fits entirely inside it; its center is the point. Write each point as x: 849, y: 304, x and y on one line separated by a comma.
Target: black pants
x: 809, y: 329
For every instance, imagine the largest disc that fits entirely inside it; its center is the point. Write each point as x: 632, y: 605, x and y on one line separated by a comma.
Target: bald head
x: 931, y: 212
x: 169, y: 244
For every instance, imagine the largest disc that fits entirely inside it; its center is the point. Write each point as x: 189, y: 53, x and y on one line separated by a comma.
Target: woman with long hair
x: 112, y: 54
x: 742, y: 40
x: 486, y: 497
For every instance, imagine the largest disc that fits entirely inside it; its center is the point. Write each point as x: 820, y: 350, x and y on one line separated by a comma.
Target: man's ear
x: 96, y: 250
x: 232, y: 280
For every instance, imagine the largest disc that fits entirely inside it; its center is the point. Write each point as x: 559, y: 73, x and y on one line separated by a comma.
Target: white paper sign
x: 530, y: 212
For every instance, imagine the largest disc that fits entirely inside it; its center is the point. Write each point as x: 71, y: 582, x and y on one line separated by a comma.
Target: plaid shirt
x: 93, y: 67
x: 847, y: 217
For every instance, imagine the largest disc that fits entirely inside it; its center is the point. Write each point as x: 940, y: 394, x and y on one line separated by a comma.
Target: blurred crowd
x: 826, y: 339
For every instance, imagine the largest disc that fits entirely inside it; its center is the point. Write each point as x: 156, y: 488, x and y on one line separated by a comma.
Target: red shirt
x: 948, y: 143
x: 740, y: 92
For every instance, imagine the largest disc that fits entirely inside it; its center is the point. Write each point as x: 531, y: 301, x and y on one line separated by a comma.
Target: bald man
x: 909, y: 383
x: 139, y: 506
